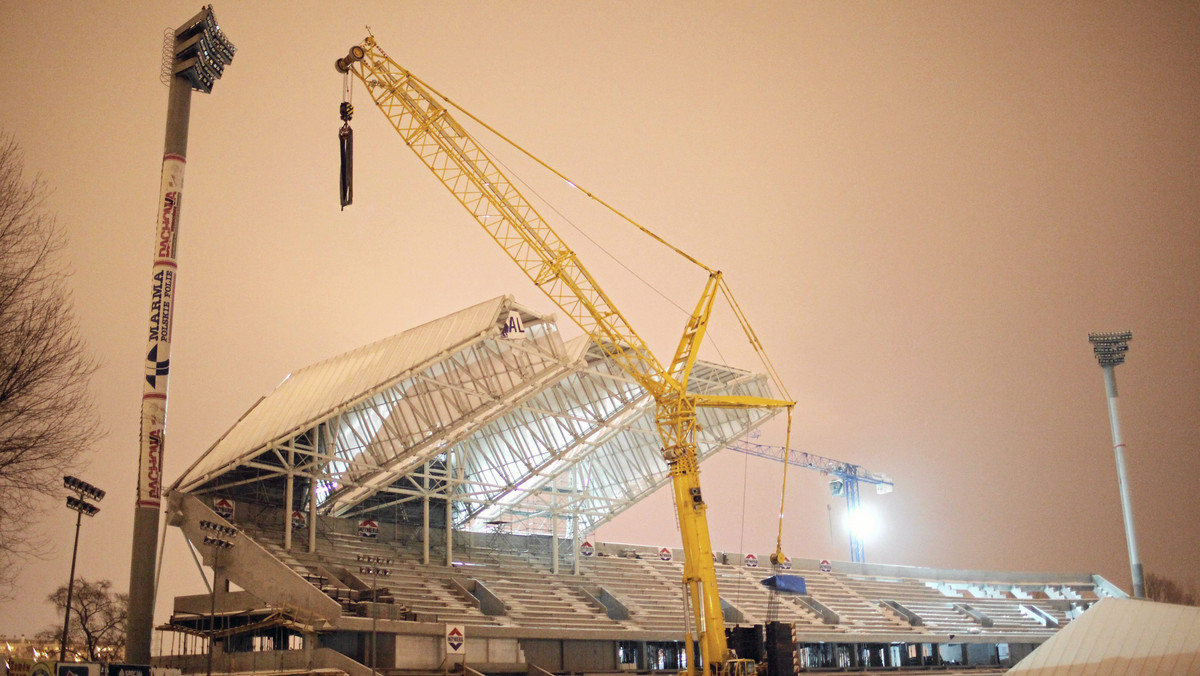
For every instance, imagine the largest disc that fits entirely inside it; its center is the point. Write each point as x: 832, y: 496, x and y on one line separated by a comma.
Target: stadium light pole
x: 81, y: 506
x: 1110, y: 349
x: 375, y: 570
x: 220, y: 538
x: 199, y: 56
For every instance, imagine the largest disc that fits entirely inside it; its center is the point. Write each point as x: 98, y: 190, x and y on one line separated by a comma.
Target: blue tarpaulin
x: 787, y: 583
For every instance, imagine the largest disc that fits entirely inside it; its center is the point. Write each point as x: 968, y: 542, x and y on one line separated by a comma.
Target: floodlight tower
x: 220, y: 538
x: 201, y: 52
x: 80, y: 506
x: 1110, y: 349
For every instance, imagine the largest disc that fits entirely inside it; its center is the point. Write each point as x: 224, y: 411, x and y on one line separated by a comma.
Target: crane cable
x: 559, y: 174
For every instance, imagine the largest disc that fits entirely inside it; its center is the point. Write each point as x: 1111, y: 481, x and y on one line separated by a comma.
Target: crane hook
x: 346, y: 145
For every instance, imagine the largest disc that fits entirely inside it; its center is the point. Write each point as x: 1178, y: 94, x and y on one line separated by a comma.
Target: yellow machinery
x: 414, y: 110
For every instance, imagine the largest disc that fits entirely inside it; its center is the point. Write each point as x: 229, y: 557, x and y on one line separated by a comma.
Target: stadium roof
x: 516, y: 428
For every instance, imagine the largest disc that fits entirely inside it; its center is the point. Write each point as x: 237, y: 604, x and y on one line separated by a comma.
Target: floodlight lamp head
x: 219, y: 529
x: 837, y: 487
x: 85, y: 508
x: 83, y: 488
x: 217, y: 542
x: 202, y: 51
x: 1110, y: 348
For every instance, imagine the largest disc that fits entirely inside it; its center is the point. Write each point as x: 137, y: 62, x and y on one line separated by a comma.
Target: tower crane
x: 847, y: 477
x: 416, y: 111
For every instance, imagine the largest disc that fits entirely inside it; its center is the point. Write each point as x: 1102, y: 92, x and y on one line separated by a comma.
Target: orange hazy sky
x: 924, y: 208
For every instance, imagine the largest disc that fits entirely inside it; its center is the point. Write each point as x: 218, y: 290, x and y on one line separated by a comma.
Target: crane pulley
x: 416, y: 111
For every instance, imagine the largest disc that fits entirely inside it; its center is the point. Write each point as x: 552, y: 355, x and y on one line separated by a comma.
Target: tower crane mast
x: 416, y: 112
x: 849, y: 474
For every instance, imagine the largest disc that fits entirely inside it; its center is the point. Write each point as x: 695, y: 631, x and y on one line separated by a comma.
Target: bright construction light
x: 863, y: 523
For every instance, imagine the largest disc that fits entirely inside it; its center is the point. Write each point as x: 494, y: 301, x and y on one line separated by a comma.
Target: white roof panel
x: 314, y: 391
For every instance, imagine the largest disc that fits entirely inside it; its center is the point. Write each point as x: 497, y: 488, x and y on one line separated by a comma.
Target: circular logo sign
x: 368, y: 529
x: 664, y: 554
x: 587, y: 549
x: 787, y: 563
x: 299, y: 519
x: 826, y: 566
x: 751, y: 561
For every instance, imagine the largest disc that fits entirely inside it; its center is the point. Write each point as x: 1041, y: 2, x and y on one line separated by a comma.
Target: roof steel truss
x: 508, y: 431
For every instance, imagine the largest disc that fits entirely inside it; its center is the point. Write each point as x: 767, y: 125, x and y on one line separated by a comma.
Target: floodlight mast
x: 80, y: 506
x: 200, y: 55
x: 1110, y: 349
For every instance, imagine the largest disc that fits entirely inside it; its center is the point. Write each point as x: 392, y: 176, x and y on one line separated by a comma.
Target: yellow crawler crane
x: 415, y: 110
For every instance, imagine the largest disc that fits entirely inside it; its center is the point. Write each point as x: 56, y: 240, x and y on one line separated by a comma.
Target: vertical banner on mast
x: 158, y: 347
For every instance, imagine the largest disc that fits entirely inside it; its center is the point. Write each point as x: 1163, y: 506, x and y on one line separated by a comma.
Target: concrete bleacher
x: 628, y: 591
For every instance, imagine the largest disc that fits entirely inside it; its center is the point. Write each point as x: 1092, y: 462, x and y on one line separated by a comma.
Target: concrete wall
x: 570, y: 655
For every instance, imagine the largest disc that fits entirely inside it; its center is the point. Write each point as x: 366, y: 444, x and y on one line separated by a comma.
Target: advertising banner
x: 20, y: 666
x: 158, y: 347
x: 128, y: 670
x: 79, y: 669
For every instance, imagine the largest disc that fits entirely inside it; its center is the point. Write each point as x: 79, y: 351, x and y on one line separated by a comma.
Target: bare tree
x: 1165, y: 590
x: 97, y: 620
x: 47, y: 416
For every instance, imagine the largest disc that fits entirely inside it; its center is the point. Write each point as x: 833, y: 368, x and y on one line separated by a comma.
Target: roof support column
x: 288, y: 500
x: 575, y: 545
x: 554, y: 537
x: 574, y: 474
x: 425, y: 518
x: 312, y: 515
x: 449, y: 507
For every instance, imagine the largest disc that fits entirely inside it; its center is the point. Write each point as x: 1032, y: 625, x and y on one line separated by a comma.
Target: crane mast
x: 454, y: 156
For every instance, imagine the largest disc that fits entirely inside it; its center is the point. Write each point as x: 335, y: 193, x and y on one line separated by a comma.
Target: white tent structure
x: 1121, y: 636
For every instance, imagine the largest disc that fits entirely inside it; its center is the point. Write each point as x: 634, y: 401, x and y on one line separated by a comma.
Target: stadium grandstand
x: 423, y: 504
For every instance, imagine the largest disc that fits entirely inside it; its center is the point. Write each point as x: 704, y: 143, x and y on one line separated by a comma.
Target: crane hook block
x: 347, y: 111
x: 346, y: 144
x: 343, y: 64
